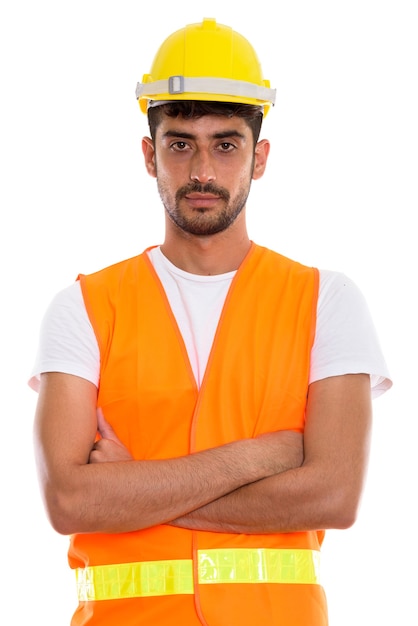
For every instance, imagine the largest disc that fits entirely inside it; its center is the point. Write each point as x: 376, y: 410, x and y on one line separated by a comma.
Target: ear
x: 262, y: 150
x: 149, y: 156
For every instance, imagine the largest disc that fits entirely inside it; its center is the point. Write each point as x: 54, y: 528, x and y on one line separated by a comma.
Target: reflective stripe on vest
x: 163, y: 578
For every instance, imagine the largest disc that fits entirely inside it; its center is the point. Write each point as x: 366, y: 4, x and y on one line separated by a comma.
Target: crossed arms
x: 279, y: 482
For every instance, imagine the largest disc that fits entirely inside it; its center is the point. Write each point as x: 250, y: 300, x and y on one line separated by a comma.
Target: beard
x: 203, y: 222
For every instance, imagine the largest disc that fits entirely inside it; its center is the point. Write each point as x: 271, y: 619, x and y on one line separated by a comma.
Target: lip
x: 201, y: 200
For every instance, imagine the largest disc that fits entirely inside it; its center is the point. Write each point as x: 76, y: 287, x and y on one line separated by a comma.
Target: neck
x: 207, y: 256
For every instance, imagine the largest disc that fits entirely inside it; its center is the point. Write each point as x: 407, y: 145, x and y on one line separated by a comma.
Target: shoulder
x: 105, y: 274
x: 275, y: 257
x: 334, y: 282
x: 338, y: 288
x: 67, y: 342
x: 66, y: 301
x: 341, y: 299
x: 276, y: 267
x: 66, y: 312
x: 346, y: 340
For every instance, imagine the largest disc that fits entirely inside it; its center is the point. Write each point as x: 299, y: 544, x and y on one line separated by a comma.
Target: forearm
x: 130, y: 495
x: 93, y: 485
x: 262, y: 507
x: 293, y: 501
x: 325, y: 491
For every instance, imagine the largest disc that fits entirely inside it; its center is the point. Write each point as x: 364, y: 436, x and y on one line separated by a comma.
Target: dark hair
x: 189, y: 109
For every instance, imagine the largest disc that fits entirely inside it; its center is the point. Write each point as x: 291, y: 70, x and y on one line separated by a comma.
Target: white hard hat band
x: 206, y: 85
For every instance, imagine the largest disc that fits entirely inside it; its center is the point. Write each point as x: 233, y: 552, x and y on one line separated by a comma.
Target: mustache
x: 196, y: 187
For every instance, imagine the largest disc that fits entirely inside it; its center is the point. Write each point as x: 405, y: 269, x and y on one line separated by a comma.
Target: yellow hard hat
x: 206, y: 61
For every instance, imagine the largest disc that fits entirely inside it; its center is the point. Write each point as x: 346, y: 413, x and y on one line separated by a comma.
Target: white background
x: 340, y: 193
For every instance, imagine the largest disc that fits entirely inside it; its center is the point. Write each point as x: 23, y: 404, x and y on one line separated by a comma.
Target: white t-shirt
x: 345, y: 340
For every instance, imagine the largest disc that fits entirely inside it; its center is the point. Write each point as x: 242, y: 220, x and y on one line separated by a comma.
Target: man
x: 204, y: 408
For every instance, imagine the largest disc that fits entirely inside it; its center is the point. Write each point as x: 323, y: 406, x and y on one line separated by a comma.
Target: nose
x: 202, y: 169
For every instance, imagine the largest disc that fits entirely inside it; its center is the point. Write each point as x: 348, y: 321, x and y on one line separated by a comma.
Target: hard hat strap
x: 206, y: 85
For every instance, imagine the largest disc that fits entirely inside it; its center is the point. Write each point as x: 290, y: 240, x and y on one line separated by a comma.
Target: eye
x: 180, y: 146
x: 226, y: 146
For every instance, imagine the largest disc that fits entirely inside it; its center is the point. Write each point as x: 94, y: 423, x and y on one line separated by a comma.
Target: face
x: 204, y: 168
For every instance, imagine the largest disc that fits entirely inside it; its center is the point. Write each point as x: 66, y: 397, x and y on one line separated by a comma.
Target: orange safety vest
x: 256, y: 382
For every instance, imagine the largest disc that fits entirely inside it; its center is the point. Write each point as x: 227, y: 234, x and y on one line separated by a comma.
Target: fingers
x: 109, y: 447
x: 107, y: 450
x: 104, y: 428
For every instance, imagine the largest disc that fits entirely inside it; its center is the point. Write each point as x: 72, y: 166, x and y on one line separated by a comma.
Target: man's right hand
x: 109, y: 447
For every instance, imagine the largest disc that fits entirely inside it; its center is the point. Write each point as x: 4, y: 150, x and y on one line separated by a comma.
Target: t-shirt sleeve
x: 346, y: 341
x: 67, y: 342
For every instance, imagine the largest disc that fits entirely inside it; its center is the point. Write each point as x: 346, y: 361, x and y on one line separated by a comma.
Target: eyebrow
x: 221, y: 135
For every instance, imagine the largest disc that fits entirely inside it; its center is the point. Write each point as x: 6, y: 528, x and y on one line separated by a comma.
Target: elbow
x: 62, y: 512
x: 343, y: 520
x: 343, y: 512
x: 61, y: 524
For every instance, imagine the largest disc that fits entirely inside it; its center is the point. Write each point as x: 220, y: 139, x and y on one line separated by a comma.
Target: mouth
x: 201, y: 200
